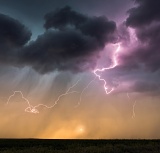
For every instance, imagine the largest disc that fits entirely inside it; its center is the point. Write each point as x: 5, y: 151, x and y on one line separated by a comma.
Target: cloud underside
x: 72, y: 41
x: 143, y: 55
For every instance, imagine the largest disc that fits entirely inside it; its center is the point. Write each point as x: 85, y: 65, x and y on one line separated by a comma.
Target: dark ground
x: 78, y: 146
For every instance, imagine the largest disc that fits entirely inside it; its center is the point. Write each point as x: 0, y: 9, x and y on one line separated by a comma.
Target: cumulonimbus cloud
x: 145, y: 13
x: 13, y: 36
x: 143, y: 55
x: 145, y: 19
x: 72, y: 41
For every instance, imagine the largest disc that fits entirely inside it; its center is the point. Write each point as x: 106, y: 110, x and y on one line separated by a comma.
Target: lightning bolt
x: 20, y: 92
x: 80, y: 99
x: 34, y: 109
x: 133, y: 113
x: 115, y: 63
x: 133, y: 106
x: 30, y: 108
x: 64, y: 94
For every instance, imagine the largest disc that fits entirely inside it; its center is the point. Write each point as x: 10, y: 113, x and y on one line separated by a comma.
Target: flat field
x: 78, y: 146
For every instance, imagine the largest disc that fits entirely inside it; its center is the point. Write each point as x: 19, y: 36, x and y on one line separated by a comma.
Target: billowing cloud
x: 13, y: 35
x: 145, y: 13
x: 67, y: 40
x: 57, y: 50
x: 98, y: 27
x: 72, y: 41
x: 142, y: 56
x: 145, y: 20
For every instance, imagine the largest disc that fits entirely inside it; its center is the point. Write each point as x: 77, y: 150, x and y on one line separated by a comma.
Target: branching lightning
x: 26, y: 100
x: 115, y: 63
x: 64, y: 94
x: 80, y: 99
x: 34, y: 109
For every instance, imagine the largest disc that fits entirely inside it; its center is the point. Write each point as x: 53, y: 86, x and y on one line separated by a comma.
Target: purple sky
x: 45, y: 46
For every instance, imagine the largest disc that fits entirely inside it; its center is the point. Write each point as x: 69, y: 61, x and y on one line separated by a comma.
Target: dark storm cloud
x: 150, y: 54
x: 14, y: 31
x: 60, y: 18
x: 57, y: 50
x: 98, y: 27
x: 13, y: 35
x: 145, y: 13
x: 143, y: 55
x: 72, y: 41
x: 145, y: 18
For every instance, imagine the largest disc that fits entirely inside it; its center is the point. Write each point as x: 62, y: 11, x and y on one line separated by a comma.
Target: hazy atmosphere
x: 80, y: 69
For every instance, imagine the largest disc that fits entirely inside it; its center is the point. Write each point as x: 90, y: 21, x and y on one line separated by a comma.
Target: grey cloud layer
x: 144, y: 56
x: 146, y: 12
x: 145, y: 18
x: 13, y: 35
x: 72, y: 41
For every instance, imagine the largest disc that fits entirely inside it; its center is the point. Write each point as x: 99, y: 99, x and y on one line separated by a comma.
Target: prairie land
x: 78, y: 146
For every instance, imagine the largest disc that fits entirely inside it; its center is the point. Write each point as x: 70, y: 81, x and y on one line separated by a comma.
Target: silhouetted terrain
x: 78, y: 146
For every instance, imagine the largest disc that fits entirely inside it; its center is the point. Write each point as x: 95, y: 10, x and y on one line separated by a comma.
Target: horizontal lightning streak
x: 33, y: 109
x: 30, y: 108
x: 64, y: 94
